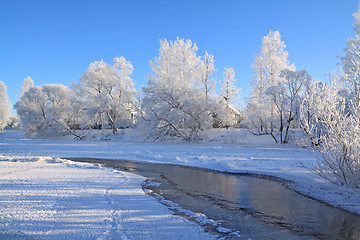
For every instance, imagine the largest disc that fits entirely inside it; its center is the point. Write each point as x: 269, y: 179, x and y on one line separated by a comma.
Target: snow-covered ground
x: 233, y: 151
x: 43, y: 198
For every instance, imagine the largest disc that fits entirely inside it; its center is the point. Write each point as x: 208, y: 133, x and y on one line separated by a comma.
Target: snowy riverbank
x: 235, y: 151
x: 43, y: 198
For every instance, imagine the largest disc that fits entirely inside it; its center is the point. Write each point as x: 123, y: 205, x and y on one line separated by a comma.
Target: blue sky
x: 55, y: 41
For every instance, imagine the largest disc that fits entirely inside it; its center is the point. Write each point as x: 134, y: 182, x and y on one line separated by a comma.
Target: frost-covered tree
x: 27, y: 84
x: 32, y: 112
x: 287, y: 96
x: 268, y: 66
x: 14, y: 122
x: 330, y: 116
x: 47, y: 110
x: 229, y: 92
x: 315, y: 105
x: 108, y: 93
x: 174, y: 103
x: 5, y: 107
x: 227, y: 115
x: 209, y: 68
x: 334, y: 132
x: 350, y: 63
x: 60, y: 114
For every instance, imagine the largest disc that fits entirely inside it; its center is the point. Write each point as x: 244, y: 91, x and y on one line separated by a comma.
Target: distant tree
x: 227, y: 114
x: 207, y: 82
x: 32, y: 112
x: 174, y: 104
x: 229, y: 92
x: 14, y: 122
x: 27, y: 84
x: 47, y: 110
x: 318, y: 102
x: 350, y: 63
x: 286, y: 97
x: 268, y: 66
x: 60, y: 115
x: 5, y: 107
x: 108, y: 93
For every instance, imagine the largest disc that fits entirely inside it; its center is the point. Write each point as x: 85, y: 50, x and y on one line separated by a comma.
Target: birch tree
x: 287, y: 96
x: 208, y: 82
x: 273, y: 59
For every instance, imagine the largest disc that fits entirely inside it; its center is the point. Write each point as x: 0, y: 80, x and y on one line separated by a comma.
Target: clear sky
x: 55, y: 41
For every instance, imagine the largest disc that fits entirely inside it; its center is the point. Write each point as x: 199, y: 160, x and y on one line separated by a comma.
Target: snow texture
x: 47, y: 198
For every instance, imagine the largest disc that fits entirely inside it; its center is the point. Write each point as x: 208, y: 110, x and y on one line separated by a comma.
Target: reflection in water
x: 257, y: 208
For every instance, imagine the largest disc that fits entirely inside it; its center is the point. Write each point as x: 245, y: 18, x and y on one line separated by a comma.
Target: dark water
x: 257, y: 208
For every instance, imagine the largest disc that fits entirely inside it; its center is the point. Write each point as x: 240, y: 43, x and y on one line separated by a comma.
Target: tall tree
x: 5, y: 107
x: 350, y: 63
x: 32, y: 112
x: 207, y: 82
x: 287, y: 96
x: 108, y: 93
x: 27, y: 84
x: 273, y: 59
x: 174, y: 103
x: 47, y: 110
x: 230, y: 93
x: 226, y: 114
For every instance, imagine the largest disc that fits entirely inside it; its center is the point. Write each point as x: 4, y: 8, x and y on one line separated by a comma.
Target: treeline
x: 179, y: 100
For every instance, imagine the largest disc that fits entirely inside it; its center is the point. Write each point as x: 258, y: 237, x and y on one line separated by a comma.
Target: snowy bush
x: 330, y: 116
x: 335, y: 134
x: 14, y: 122
x: 318, y: 102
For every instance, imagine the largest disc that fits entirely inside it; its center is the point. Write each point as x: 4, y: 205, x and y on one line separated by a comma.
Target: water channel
x: 254, y: 207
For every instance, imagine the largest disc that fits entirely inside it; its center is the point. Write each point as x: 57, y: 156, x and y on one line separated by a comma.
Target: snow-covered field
x: 65, y: 198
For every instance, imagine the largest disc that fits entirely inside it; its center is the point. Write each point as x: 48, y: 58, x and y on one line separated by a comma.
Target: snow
x: 46, y: 198
x: 232, y: 151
